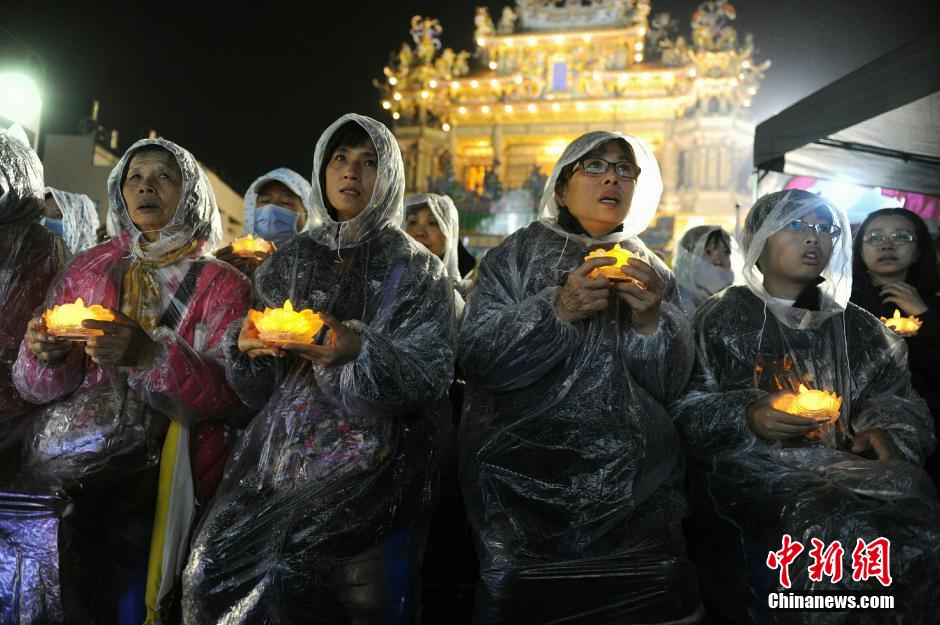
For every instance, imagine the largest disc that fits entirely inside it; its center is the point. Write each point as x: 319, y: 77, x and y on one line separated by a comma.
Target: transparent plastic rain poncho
x: 290, y: 179
x: 325, y: 498
x: 30, y: 256
x: 445, y: 212
x: 697, y: 278
x: 569, y: 463
x: 79, y: 219
x: 103, y: 424
x: 747, y: 492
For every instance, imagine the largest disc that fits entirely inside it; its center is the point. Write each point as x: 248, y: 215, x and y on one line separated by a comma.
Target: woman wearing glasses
x: 758, y: 472
x: 894, y: 268
x: 568, y: 460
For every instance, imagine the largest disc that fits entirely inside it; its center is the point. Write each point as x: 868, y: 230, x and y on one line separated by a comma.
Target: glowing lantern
x: 65, y: 320
x: 904, y: 326
x: 284, y: 325
x: 248, y: 246
x: 811, y: 404
x: 613, y: 272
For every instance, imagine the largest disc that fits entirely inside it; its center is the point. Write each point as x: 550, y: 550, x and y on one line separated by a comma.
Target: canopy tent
x: 878, y: 126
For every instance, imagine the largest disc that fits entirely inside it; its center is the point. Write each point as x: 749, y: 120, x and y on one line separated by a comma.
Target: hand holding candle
x: 903, y: 326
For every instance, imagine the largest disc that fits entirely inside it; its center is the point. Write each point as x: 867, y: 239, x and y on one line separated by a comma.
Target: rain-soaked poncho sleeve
x: 712, y: 417
x: 509, y: 338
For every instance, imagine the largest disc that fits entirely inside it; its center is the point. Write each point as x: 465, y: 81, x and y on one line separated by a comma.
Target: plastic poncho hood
x: 20, y: 178
x: 385, y: 206
x: 649, y: 186
x: 445, y: 212
x: 772, y: 213
x: 289, y: 178
x: 79, y: 217
x: 197, y: 215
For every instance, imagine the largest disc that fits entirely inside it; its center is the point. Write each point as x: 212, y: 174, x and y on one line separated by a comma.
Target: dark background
x: 250, y: 86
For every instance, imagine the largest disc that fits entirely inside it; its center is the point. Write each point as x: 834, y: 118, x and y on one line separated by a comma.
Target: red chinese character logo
x: 783, y: 558
x: 826, y: 561
x: 872, y: 560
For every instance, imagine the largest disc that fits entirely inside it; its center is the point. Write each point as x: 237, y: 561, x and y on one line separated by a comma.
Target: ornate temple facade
x: 488, y: 126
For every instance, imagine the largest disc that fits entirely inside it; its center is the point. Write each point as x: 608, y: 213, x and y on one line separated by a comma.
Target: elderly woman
x: 120, y: 406
x: 707, y: 261
x: 894, y: 267
x: 73, y: 217
x: 30, y: 257
x: 276, y: 209
x: 325, y: 500
x: 568, y: 460
x: 761, y: 471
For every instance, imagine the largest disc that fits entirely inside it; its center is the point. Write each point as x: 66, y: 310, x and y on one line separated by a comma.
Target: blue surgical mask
x: 54, y: 226
x: 275, y: 223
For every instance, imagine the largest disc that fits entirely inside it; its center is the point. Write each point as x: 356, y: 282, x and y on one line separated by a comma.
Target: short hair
x: 147, y: 149
x: 922, y: 274
x: 416, y: 208
x: 350, y: 135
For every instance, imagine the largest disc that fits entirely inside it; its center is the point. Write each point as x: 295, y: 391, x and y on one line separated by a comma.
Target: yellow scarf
x: 140, y: 300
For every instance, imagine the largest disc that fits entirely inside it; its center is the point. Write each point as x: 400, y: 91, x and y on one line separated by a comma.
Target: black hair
x: 350, y: 135
x: 146, y: 149
x: 922, y: 274
x: 416, y: 208
x: 717, y: 236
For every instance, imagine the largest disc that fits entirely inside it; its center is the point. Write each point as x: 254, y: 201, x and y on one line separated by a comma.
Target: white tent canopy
x: 878, y: 126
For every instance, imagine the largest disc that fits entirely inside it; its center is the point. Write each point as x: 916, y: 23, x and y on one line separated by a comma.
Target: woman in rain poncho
x: 761, y: 473
x: 432, y: 221
x: 894, y: 267
x: 30, y: 256
x: 325, y: 500
x: 120, y: 407
x: 73, y: 217
x: 707, y: 260
x: 276, y: 208
x: 568, y: 461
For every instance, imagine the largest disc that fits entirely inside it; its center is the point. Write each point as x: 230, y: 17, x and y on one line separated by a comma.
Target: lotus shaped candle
x: 904, y: 326
x: 613, y: 272
x: 285, y: 325
x: 65, y: 320
x: 248, y: 246
x: 811, y: 404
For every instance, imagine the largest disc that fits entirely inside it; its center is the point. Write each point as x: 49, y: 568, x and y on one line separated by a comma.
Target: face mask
x: 54, y: 226
x: 711, y: 278
x: 275, y: 223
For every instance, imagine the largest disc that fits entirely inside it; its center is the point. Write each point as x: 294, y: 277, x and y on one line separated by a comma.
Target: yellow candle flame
x: 248, y: 245
x: 612, y: 272
x: 286, y: 325
x: 66, y: 319
x: 904, y: 326
x: 811, y: 404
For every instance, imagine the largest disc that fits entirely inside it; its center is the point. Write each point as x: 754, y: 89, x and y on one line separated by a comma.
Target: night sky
x: 249, y: 87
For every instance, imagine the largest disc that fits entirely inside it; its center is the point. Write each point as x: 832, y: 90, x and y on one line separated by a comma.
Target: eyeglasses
x: 896, y: 238
x: 598, y: 167
x: 798, y: 225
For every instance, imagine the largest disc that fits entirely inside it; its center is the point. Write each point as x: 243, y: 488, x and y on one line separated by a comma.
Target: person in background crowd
x: 72, y: 216
x: 707, y: 261
x: 276, y: 209
x: 894, y: 268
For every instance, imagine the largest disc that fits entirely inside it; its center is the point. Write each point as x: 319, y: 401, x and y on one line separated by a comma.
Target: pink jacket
x: 186, y: 382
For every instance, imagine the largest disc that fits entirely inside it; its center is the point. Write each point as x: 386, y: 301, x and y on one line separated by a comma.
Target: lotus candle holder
x: 903, y: 326
x: 821, y: 406
x: 613, y: 272
x: 65, y: 320
x: 249, y: 246
x: 285, y: 326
